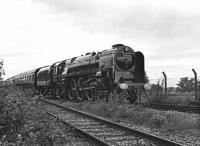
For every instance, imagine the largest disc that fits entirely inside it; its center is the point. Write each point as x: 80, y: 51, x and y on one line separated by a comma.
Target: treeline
x: 185, y: 84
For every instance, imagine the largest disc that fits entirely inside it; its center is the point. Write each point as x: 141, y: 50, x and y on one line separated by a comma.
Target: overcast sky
x: 34, y: 33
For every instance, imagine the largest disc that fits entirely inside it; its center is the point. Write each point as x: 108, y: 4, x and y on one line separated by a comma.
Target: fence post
x: 165, y: 76
x: 195, y: 83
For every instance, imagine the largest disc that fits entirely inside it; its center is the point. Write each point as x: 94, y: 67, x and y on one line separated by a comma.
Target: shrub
x: 22, y: 120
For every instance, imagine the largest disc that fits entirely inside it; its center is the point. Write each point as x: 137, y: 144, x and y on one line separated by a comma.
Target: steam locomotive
x: 92, y: 76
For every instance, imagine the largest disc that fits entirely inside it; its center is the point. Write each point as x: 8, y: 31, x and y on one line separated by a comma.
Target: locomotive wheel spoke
x: 90, y: 94
x: 97, y: 97
x: 72, y: 89
x: 79, y: 93
x: 99, y: 94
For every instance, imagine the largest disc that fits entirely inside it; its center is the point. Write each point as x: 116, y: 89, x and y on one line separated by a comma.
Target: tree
x: 186, y: 84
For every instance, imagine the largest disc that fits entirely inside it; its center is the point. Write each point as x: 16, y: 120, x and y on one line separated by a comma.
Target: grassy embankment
x: 23, y: 121
x: 120, y: 110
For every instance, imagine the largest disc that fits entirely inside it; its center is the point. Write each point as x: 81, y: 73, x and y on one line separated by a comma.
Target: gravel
x: 187, y: 137
x: 100, y: 130
x: 183, y: 138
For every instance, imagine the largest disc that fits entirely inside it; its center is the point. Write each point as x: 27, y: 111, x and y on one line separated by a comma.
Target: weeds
x: 157, y: 121
x: 181, y: 98
x: 165, y: 121
x: 179, y: 121
x: 24, y: 122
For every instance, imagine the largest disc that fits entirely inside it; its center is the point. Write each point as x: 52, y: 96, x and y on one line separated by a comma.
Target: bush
x: 23, y: 121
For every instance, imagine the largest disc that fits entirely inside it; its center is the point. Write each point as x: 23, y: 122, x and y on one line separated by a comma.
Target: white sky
x: 34, y: 33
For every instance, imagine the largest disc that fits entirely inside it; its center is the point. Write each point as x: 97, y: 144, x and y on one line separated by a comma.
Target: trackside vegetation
x: 164, y: 122
x: 23, y: 121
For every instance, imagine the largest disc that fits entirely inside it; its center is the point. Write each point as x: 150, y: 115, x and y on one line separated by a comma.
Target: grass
x: 23, y: 121
x: 180, y: 98
x: 164, y: 121
x: 20, y: 106
x: 177, y: 122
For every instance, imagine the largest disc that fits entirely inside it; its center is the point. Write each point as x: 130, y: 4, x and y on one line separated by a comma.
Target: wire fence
x: 177, y: 88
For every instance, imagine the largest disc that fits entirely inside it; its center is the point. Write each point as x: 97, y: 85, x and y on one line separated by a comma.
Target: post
x: 165, y: 76
x: 195, y: 83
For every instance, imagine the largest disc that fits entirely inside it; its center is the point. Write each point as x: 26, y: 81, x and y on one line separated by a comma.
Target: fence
x: 175, y: 88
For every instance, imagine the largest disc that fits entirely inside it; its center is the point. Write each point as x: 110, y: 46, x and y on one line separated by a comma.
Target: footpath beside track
x: 102, y: 131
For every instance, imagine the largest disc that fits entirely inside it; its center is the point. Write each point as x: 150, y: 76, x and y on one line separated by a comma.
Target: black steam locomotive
x: 88, y: 77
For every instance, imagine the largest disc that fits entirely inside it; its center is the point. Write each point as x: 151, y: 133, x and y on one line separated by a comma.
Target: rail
x: 125, y: 129
x: 181, y: 108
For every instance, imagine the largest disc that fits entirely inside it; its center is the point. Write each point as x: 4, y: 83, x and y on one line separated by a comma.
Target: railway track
x: 181, y: 108
x: 101, y: 131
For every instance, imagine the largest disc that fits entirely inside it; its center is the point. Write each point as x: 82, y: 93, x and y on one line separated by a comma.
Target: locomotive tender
x: 88, y: 77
